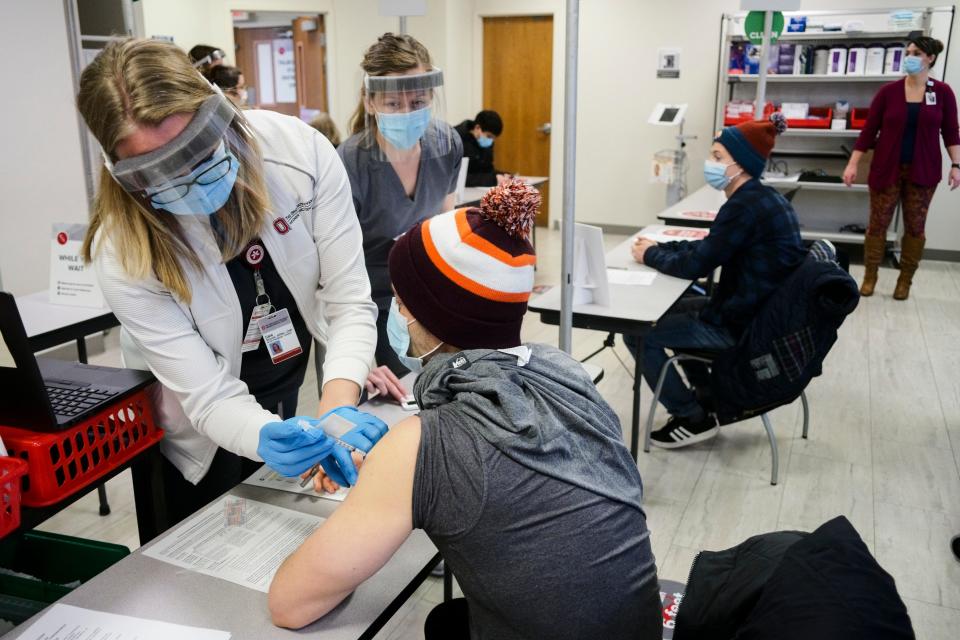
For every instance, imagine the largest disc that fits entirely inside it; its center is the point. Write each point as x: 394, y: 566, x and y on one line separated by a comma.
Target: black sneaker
x: 681, y: 432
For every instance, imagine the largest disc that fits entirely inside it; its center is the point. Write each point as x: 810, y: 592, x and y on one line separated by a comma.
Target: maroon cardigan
x: 888, y: 116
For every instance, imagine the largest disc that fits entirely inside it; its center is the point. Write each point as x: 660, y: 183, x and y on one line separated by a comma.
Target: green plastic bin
x: 55, y: 560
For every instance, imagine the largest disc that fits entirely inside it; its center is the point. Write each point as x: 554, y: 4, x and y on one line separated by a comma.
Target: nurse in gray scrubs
x: 402, y: 160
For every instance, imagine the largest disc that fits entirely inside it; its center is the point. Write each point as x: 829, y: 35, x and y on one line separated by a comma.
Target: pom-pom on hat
x: 750, y: 143
x: 466, y: 275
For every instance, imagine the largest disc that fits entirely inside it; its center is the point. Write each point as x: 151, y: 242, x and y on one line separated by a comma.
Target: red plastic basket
x: 819, y: 118
x: 748, y: 116
x: 62, y: 463
x: 10, y: 471
x: 858, y: 117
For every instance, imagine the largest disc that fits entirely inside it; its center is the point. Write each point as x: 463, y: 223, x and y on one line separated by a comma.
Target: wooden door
x: 255, y: 58
x: 311, y: 60
x: 517, y: 83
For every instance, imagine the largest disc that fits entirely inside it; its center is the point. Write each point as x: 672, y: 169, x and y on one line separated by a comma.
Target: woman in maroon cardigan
x: 906, y: 119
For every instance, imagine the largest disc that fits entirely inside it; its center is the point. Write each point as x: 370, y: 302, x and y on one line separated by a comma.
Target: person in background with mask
x: 907, y: 118
x: 231, y: 82
x: 204, y: 57
x: 755, y: 239
x: 214, y: 233
x: 403, y: 161
x: 478, y: 136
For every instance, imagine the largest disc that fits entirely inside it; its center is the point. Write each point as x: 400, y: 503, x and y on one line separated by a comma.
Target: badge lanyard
x: 275, y: 327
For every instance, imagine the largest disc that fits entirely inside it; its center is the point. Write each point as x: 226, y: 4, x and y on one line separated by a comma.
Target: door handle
x: 545, y: 128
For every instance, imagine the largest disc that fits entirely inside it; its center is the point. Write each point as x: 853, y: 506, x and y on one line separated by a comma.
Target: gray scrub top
x: 383, y: 207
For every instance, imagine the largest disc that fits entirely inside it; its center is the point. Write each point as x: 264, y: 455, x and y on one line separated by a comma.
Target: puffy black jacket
x: 790, y: 585
x: 784, y: 346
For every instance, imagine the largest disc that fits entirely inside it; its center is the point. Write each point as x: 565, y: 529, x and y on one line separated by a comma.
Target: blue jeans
x: 679, y: 328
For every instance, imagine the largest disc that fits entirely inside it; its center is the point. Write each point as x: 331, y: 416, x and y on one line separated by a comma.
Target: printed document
x: 267, y: 477
x: 236, y: 539
x: 631, y: 277
x: 66, y: 622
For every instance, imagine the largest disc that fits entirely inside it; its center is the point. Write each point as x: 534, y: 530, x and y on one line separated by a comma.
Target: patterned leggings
x: 914, y: 198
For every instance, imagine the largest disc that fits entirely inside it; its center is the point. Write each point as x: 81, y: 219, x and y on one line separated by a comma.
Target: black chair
x: 707, y: 357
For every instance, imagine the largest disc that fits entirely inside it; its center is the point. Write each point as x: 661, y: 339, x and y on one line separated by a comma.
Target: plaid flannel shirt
x: 755, y: 239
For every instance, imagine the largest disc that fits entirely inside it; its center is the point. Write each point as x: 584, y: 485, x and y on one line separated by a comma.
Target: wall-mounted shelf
x: 836, y: 36
x: 821, y: 133
x: 811, y: 78
x: 815, y: 186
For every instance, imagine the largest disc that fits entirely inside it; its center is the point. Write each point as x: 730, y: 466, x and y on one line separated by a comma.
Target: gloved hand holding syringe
x: 299, y: 444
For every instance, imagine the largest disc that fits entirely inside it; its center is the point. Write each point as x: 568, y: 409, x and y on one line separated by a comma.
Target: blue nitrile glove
x: 289, y: 449
x: 367, y: 432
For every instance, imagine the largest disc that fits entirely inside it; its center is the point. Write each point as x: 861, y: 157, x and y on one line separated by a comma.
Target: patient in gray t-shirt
x: 515, y: 467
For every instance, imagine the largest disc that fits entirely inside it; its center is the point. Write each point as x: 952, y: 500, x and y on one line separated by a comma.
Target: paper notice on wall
x: 71, y: 281
x: 238, y: 540
x: 270, y: 479
x: 66, y: 622
x: 284, y: 70
x: 265, y: 73
x: 668, y: 62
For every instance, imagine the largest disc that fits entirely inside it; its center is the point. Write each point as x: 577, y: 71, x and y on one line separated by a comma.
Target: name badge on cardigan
x: 931, y: 98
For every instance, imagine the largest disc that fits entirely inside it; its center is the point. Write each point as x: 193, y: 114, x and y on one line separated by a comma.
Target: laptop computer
x: 45, y: 394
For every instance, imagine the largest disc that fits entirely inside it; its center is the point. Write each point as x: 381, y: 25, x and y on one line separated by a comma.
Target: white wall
x: 41, y: 165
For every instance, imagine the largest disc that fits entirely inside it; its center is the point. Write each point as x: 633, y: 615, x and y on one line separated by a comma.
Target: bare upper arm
x: 358, y: 539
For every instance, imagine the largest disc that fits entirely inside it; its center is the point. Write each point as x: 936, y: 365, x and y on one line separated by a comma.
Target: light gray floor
x: 884, y: 450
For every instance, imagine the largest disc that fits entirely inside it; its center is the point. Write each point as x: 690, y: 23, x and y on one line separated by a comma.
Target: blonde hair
x: 134, y: 83
x: 325, y: 125
x: 390, y: 54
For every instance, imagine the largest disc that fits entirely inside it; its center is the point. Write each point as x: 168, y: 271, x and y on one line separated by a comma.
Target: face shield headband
x: 178, y: 157
x: 403, y: 84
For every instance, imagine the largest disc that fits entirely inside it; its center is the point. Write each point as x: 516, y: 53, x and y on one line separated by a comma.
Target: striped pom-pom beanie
x: 466, y: 275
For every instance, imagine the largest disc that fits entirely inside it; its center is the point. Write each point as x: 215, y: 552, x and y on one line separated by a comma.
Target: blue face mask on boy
x: 403, y: 130
x: 204, y: 190
x: 484, y: 142
x: 398, y: 334
x: 715, y: 173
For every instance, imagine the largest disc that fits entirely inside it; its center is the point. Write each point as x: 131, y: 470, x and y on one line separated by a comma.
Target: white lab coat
x: 314, y: 239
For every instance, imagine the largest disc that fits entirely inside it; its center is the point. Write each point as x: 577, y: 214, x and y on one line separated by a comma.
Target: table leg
x: 148, y: 495
x: 82, y: 349
x: 447, y: 583
x: 635, y: 423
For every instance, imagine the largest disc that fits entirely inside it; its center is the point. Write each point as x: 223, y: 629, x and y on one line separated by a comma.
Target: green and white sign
x: 753, y: 26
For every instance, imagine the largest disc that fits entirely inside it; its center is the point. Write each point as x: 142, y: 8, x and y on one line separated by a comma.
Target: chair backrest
x: 784, y: 346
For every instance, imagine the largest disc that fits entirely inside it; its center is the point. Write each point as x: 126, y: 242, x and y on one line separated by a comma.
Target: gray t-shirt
x: 536, y: 557
x: 383, y: 207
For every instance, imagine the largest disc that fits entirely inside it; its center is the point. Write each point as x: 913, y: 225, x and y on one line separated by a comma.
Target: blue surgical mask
x: 398, y: 334
x: 913, y: 65
x: 403, y: 130
x: 485, y: 142
x: 203, y: 191
x: 715, y: 173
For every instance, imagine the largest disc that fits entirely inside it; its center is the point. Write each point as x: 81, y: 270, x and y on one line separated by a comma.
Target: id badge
x: 280, y: 336
x: 931, y: 98
x: 251, y: 339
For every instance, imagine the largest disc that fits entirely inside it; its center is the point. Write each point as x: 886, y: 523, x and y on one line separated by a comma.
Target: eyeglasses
x: 178, y: 191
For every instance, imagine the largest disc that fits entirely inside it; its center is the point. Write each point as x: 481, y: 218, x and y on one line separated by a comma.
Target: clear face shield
x: 407, y: 112
x: 196, y: 171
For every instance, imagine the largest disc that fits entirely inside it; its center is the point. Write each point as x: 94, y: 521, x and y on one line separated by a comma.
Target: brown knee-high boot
x: 873, y: 248
x: 911, y: 250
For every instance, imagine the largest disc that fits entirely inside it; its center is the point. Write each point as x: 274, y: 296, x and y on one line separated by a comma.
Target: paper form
x: 247, y: 551
x: 66, y: 622
x: 270, y: 479
x: 675, y: 234
x: 631, y: 277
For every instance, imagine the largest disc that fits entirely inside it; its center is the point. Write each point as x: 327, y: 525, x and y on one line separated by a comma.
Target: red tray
x: 62, y: 463
x: 10, y: 471
x: 858, y: 117
x: 748, y: 117
x: 819, y: 118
